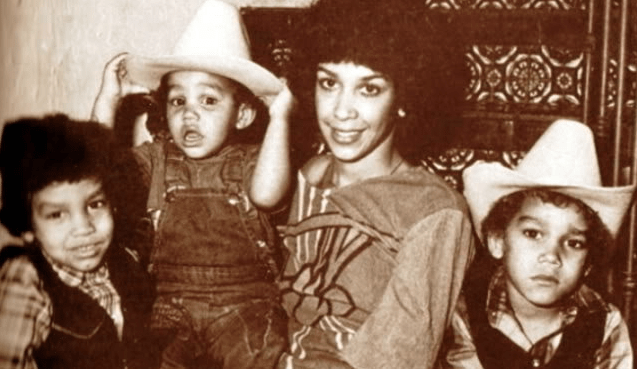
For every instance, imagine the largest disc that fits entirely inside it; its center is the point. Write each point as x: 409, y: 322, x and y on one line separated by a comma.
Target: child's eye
x: 209, y: 100
x: 177, y: 101
x: 531, y: 233
x: 53, y: 215
x: 370, y: 90
x: 97, y: 204
x: 326, y: 83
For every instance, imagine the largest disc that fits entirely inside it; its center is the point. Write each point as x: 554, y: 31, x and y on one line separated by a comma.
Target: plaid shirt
x: 615, y: 351
x: 26, y: 309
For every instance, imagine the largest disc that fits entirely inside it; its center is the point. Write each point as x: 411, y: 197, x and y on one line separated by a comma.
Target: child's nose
x: 190, y: 111
x: 551, y: 254
x: 83, y: 223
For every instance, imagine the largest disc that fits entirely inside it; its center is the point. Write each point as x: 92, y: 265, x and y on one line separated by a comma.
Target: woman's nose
x: 344, y: 106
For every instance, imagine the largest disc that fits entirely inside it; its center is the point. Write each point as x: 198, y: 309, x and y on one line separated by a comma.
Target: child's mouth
x: 88, y: 250
x: 192, y: 138
x: 545, y: 280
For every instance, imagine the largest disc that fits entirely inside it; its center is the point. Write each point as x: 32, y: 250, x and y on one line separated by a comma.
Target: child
x: 549, y: 222
x: 213, y: 257
x: 73, y: 296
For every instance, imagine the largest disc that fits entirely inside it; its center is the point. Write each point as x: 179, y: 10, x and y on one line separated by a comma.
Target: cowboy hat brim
x: 486, y: 183
x: 148, y: 71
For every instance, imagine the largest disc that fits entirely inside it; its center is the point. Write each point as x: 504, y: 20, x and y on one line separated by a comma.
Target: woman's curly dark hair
x: 398, y: 39
x: 37, y: 152
x: 599, y: 238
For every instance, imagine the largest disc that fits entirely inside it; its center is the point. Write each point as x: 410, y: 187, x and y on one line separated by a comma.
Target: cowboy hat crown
x: 563, y: 160
x: 215, y: 41
x: 564, y: 155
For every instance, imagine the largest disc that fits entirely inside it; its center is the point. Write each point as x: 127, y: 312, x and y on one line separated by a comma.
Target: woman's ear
x: 495, y: 243
x: 245, y: 116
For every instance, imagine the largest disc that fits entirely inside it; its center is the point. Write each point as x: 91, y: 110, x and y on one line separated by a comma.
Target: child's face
x: 73, y: 223
x: 544, y: 250
x: 355, y: 108
x: 202, y: 112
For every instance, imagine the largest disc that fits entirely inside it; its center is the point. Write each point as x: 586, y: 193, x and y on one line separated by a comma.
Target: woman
x: 377, y: 245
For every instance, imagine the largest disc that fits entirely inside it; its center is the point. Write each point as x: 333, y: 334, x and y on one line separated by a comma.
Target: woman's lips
x: 345, y: 137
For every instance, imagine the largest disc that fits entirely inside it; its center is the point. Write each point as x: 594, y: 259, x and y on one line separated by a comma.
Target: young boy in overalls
x: 549, y: 225
x: 213, y: 258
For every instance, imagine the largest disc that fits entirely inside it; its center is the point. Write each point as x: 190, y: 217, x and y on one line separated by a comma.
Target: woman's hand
x: 115, y: 85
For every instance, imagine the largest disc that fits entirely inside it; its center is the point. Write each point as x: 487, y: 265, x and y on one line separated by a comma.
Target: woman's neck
x: 346, y: 173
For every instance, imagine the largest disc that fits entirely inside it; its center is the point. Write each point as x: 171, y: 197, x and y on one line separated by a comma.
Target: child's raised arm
x: 114, y: 86
x: 271, y: 178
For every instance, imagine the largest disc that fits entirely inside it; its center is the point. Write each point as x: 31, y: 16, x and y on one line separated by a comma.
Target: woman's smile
x: 345, y: 137
x: 354, y: 107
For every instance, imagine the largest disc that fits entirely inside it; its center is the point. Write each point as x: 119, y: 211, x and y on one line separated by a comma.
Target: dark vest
x: 82, y: 334
x: 577, y: 349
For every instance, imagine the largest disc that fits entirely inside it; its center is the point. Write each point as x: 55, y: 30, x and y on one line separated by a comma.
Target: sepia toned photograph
x: 318, y: 184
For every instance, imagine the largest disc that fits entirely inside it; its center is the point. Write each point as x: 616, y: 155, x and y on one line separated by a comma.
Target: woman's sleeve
x: 407, y: 328
x: 458, y: 350
x: 25, y: 311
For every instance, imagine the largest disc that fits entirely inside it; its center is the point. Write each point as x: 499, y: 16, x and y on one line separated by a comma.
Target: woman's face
x: 355, y: 110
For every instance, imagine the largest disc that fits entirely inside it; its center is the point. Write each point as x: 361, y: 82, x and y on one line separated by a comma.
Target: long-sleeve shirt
x: 26, y: 308
x: 374, y: 271
x: 615, y: 351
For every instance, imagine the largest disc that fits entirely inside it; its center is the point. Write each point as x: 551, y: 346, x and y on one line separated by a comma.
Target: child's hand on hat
x: 115, y: 85
x: 281, y: 106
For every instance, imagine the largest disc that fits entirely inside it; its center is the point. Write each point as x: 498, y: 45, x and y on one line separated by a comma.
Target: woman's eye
x: 531, y: 233
x: 371, y: 90
x: 177, y: 101
x: 326, y: 83
x: 576, y: 244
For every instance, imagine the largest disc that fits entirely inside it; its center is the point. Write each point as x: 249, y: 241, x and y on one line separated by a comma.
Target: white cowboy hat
x: 563, y: 160
x: 214, y: 41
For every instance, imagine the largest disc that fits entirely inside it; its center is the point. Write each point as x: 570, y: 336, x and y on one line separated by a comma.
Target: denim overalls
x: 214, y: 266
